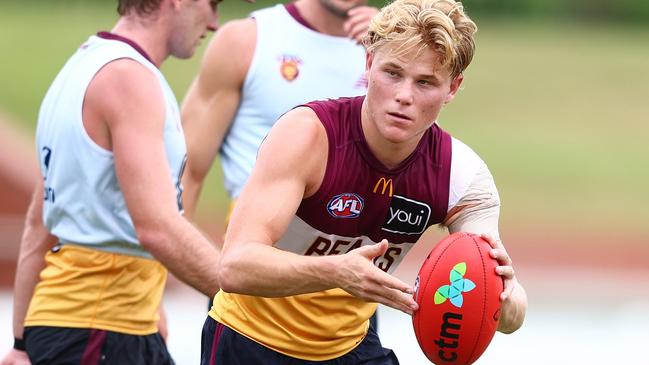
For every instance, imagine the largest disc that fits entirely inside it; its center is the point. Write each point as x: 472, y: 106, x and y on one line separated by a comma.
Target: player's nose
x: 213, y: 25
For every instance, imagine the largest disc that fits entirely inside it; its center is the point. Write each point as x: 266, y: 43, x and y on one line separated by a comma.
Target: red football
x: 458, y: 292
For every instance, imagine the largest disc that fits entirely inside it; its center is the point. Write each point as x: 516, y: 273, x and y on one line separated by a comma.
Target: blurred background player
x: 326, y: 217
x: 105, y: 222
x: 286, y: 55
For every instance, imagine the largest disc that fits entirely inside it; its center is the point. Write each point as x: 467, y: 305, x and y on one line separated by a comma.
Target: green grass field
x: 559, y: 111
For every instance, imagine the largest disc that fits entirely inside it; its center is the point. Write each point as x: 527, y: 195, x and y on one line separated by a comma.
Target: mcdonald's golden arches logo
x: 385, y: 184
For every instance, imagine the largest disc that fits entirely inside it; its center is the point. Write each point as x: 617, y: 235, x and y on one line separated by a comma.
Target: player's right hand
x: 15, y: 357
x: 359, y: 277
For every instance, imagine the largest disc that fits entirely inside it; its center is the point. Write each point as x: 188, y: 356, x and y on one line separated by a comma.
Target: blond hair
x: 439, y: 24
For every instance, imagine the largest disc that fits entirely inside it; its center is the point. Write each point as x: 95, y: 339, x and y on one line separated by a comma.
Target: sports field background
x: 558, y: 109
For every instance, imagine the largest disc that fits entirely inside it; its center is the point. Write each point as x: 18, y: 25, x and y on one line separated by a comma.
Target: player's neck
x: 321, y: 19
x: 146, y: 35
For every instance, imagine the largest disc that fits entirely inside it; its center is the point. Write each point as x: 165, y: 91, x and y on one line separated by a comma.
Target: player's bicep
x: 290, y: 162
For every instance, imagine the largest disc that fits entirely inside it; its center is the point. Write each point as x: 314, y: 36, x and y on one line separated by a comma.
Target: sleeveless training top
x: 83, y: 201
x: 360, y: 202
x: 292, y: 65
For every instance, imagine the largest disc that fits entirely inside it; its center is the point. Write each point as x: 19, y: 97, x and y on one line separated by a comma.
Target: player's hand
x: 358, y: 21
x: 513, y: 297
x: 358, y: 276
x: 15, y: 357
x: 504, y: 268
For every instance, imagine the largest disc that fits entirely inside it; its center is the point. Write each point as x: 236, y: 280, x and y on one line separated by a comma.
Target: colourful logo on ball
x: 458, y: 286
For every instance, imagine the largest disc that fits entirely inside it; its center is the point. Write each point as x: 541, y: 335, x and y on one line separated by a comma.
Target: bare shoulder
x: 303, y: 126
x: 123, y: 89
x: 299, y: 140
x: 231, y: 49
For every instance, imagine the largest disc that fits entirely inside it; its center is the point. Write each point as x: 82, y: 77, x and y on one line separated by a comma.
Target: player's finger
x: 358, y: 10
x: 386, y: 289
x: 366, y: 12
x: 357, y: 32
x: 354, y: 26
x: 358, y: 21
x: 495, y: 243
x: 372, y: 251
x: 501, y: 256
x: 393, y: 283
x: 397, y: 300
x: 507, y: 290
x: 505, y: 271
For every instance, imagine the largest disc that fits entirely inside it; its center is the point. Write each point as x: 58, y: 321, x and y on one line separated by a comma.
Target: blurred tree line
x: 609, y: 11
x: 615, y: 11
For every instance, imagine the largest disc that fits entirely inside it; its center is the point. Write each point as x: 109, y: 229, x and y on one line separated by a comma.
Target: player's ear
x: 455, y: 86
x: 369, y: 58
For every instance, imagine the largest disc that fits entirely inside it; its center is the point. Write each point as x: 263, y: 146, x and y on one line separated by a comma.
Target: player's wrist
x: 19, y: 344
x: 327, y: 270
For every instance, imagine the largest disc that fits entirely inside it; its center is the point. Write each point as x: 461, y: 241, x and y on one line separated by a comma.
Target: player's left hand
x: 504, y: 268
x: 513, y: 297
x: 358, y: 21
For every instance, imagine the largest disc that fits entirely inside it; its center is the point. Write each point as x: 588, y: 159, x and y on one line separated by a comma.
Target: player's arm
x: 478, y: 212
x: 290, y: 166
x: 212, y: 101
x: 128, y: 101
x: 35, y: 243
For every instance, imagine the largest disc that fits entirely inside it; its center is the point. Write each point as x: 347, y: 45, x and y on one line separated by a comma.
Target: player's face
x: 195, y: 19
x: 405, y: 94
x: 341, y: 7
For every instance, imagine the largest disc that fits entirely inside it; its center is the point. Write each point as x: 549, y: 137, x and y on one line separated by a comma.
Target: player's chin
x: 397, y: 135
x: 186, y: 53
x: 187, y: 50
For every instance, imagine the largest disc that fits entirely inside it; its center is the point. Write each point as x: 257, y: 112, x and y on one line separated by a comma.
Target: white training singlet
x: 83, y: 203
x: 292, y: 65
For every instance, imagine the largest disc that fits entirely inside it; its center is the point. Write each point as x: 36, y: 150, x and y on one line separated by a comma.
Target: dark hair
x: 141, y: 7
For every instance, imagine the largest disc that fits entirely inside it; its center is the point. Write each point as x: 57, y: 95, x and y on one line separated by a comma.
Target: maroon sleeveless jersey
x: 360, y: 201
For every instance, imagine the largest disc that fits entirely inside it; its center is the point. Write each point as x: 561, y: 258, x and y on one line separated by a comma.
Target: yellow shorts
x: 86, y: 288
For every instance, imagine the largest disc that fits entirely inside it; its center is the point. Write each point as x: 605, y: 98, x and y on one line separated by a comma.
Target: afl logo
x: 289, y: 67
x: 347, y: 205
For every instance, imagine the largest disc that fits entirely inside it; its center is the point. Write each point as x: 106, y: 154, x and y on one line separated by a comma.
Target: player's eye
x: 391, y: 73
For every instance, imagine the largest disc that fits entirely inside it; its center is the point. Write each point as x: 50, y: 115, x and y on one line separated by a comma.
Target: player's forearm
x: 186, y: 253
x: 513, y: 310
x: 30, y: 264
x: 262, y: 270
x: 35, y: 243
x: 192, y: 186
